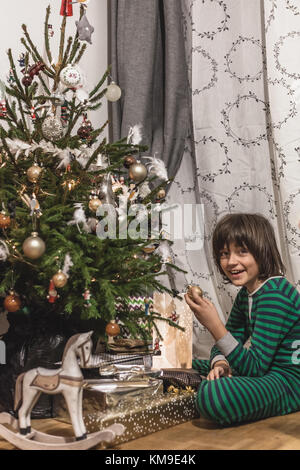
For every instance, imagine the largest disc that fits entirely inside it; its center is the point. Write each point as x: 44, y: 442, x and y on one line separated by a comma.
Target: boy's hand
x: 207, y: 314
x: 221, y: 369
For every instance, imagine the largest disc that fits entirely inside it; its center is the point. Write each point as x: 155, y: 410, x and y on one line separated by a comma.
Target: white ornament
x: 157, y: 167
x: 79, y: 218
x: 68, y: 263
x: 71, y: 77
x: 165, y: 251
x: 17, y: 146
x: 135, y: 134
x: 4, y: 251
x: 144, y: 190
x: 113, y: 92
x: 82, y: 95
x: 65, y: 157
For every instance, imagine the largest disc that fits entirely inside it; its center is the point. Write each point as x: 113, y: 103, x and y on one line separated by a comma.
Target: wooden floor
x: 279, y: 433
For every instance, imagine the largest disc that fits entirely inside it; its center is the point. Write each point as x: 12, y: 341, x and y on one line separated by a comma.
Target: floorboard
x: 278, y: 433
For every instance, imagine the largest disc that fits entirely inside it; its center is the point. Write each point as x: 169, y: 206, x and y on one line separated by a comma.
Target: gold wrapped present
x: 141, y: 415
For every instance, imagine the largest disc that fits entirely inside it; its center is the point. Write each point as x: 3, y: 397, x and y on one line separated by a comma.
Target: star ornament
x: 84, y: 29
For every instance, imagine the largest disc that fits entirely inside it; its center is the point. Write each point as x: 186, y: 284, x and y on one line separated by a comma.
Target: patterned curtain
x: 244, y: 155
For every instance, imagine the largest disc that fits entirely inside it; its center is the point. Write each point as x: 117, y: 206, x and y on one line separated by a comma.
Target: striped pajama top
x: 274, y: 328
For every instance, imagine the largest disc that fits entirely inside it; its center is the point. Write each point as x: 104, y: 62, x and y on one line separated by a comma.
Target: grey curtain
x: 147, y: 54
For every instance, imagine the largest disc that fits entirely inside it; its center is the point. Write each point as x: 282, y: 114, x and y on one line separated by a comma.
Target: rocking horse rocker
x: 67, y: 380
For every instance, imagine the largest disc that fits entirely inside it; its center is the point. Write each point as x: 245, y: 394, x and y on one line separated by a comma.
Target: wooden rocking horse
x: 67, y: 380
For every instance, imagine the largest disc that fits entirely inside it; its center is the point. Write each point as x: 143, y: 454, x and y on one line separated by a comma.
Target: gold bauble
x: 94, y: 204
x: 4, y: 220
x: 12, y: 302
x: 70, y: 184
x: 112, y: 329
x: 34, y: 247
x: 33, y: 173
x: 195, y: 289
x: 60, y: 279
x: 149, y: 249
x: 137, y: 172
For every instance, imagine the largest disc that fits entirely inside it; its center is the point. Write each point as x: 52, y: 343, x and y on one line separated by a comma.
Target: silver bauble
x: 52, y: 128
x: 34, y: 247
x: 137, y: 172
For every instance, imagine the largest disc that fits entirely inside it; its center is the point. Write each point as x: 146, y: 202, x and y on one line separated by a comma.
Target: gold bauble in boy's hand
x: 195, y: 289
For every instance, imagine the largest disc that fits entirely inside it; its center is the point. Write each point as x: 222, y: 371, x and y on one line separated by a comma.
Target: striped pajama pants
x: 233, y: 400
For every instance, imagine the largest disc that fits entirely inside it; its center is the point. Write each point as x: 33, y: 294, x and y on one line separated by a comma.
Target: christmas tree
x: 61, y: 253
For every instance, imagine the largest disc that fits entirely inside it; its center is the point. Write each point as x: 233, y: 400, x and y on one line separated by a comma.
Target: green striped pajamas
x: 266, y: 376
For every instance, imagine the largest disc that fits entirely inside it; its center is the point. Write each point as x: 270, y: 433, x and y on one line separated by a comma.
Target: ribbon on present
x: 66, y: 8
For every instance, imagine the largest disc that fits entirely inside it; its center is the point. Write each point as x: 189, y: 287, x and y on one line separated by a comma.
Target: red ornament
x: 27, y: 80
x: 84, y: 132
x: 66, y: 8
x: 156, y: 345
x: 52, y: 293
x: 3, y: 110
x: 35, y: 69
x: 32, y: 113
x: 85, y: 129
x: 112, y: 329
x: 12, y: 302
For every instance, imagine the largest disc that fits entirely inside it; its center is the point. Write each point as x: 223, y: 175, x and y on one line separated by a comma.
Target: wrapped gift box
x: 143, y: 413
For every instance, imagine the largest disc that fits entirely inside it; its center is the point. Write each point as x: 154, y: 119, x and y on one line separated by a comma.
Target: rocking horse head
x: 79, y: 345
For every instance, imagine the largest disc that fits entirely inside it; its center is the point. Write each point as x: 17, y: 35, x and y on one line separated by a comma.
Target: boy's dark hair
x: 256, y: 233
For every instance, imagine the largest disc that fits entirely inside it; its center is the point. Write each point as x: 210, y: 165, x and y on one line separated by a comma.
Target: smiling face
x: 239, y: 265
x: 249, y: 250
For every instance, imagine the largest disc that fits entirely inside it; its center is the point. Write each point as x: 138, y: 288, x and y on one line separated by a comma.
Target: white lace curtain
x: 244, y: 154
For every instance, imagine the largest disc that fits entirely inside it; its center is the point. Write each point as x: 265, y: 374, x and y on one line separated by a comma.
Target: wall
x: 32, y: 13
